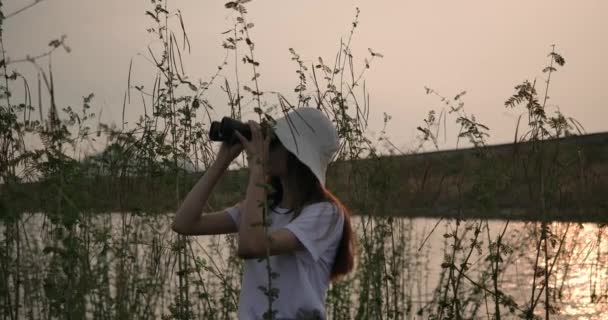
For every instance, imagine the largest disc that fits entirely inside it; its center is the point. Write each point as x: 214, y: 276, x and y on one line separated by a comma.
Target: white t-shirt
x: 303, y: 275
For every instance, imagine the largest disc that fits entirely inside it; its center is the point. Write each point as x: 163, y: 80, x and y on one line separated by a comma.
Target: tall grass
x: 84, y: 257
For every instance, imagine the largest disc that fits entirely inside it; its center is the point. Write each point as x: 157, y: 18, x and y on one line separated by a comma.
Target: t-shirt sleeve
x: 235, y: 214
x: 318, y: 227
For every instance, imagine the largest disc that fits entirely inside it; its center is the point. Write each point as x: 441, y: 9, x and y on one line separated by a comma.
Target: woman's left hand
x: 257, y: 147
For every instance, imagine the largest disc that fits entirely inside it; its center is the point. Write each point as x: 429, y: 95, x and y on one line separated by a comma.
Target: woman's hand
x: 229, y: 152
x: 257, y: 148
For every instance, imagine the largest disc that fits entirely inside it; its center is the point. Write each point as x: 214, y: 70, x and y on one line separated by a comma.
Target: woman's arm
x: 253, y: 240
x: 189, y: 219
x: 251, y: 229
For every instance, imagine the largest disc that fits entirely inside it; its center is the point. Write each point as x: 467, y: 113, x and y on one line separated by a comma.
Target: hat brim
x: 303, y: 150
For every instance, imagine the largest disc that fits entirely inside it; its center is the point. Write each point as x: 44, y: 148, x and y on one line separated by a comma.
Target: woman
x: 309, y: 238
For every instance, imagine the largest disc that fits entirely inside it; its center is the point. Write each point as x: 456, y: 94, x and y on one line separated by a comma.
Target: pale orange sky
x: 483, y: 47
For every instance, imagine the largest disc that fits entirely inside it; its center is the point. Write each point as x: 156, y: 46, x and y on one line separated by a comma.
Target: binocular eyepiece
x: 224, y: 130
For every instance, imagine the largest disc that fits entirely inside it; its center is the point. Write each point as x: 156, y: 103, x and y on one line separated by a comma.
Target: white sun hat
x: 310, y: 136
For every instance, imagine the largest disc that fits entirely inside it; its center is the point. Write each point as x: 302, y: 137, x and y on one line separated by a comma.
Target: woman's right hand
x: 229, y: 152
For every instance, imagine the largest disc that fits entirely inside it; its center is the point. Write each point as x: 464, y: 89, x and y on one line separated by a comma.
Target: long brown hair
x: 309, y: 190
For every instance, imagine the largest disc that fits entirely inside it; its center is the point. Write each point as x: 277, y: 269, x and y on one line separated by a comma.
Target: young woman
x: 309, y: 238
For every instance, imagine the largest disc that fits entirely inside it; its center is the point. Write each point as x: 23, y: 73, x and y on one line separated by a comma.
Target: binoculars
x: 224, y: 130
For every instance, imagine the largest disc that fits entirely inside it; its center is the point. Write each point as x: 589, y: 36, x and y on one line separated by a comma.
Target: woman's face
x: 277, y: 159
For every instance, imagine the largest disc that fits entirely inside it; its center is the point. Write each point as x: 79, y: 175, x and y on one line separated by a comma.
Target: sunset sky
x: 483, y: 47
